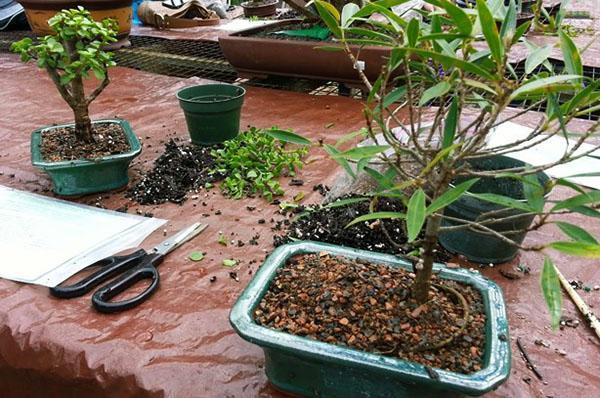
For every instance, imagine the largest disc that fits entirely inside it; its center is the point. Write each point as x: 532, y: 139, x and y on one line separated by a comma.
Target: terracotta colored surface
x: 179, y: 343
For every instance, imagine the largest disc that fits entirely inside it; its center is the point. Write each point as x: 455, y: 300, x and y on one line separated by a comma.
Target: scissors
x: 132, y: 268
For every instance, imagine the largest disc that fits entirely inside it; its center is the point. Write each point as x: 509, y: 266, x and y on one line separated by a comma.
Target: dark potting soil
x: 60, y: 144
x: 179, y: 170
x: 368, y: 307
x: 328, y: 225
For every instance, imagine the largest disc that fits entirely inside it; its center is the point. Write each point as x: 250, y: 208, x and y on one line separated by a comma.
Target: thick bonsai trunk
x: 83, y: 124
x: 422, y: 283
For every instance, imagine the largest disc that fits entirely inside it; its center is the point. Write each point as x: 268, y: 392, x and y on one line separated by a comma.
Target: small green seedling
x: 76, y: 48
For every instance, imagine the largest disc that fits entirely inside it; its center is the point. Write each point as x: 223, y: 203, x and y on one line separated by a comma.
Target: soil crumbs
x: 61, y: 144
x: 367, y: 307
x: 328, y: 224
x: 179, y: 170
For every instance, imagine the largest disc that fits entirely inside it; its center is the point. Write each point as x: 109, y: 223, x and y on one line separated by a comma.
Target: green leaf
x: 330, y: 16
x: 543, y: 85
x: 521, y: 30
x: 348, y: 12
x: 478, y: 84
x: 394, y: 96
x: 287, y: 136
x: 334, y: 152
x: 436, y: 91
x: 550, y: 285
x: 450, y: 124
x: 509, y: 24
x: 412, y: 32
x: 360, y: 152
x: 229, y: 263
x: 537, y: 57
x: 450, y: 196
x: 196, y: 256
x: 460, y: 18
x: 571, y: 54
x: 490, y: 31
x: 579, y: 249
x: 503, y: 201
x: 415, y: 214
x: 376, y: 216
x: 534, y: 192
x: 578, y: 200
x: 577, y: 233
x: 343, y: 202
x: 383, y: 182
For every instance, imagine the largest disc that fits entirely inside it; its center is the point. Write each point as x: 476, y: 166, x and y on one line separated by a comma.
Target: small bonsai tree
x: 68, y: 56
x: 438, y: 63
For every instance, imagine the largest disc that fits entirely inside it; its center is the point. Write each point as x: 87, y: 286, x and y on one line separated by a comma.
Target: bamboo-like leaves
x: 436, y: 91
x: 537, y: 57
x: 459, y: 17
x: 550, y: 285
x: 571, y: 54
x: 576, y: 233
x: 330, y: 16
x: 347, y: 13
x: 579, y: 249
x: 490, y: 31
x: 287, y: 136
x: 544, y: 85
x: 376, y: 216
x: 450, y: 196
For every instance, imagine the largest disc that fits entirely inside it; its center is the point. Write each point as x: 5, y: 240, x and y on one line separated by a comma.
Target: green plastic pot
x: 212, y: 111
x: 80, y: 177
x: 481, y: 247
x: 312, y: 368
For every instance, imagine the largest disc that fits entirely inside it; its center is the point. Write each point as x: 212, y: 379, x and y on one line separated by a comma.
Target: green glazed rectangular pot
x: 80, y: 177
x: 316, y: 369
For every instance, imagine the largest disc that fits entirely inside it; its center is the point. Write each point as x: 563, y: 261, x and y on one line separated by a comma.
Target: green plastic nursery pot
x: 80, y: 177
x: 478, y: 246
x: 316, y: 369
x: 212, y: 111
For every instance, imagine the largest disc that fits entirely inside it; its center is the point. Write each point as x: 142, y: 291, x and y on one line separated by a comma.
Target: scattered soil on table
x: 179, y: 170
x: 61, y: 144
x: 367, y: 307
x: 328, y: 224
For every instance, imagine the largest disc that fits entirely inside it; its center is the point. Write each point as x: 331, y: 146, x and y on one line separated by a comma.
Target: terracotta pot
x: 262, y: 57
x: 39, y: 11
x: 262, y: 10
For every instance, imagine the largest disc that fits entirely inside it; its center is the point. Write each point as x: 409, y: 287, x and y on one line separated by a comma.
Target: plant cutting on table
x: 83, y: 157
x: 428, y: 117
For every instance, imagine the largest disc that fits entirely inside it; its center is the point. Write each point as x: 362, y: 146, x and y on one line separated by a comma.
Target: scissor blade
x: 180, y: 238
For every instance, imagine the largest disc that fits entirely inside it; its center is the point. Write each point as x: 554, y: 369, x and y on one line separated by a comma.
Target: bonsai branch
x: 98, y: 90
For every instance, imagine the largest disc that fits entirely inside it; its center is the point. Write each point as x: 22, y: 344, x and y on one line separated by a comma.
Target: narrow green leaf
x: 330, y: 16
x: 450, y: 196
x: 394, y: 96
x: 534, y: 192
x: 537, y: 57
x: 343, y: 202
x: 376, y: 216
x: 490, y: 31
x: 579, y: 249
x: 383, y: 182
x: 550, y: 285
x: 478, y: 84
x: 509, y: 24
x: 571, y: 54
x: 503, y: 201
x: 460, y: 18
x: 333, y: 151
x: 451, y: 61
x: 577, y: 233
x: 436, y: 91
x: 415, y: 214
x: 450, y: 124
x: 412, y: 32
x: 578, y: 200
x: 546, y: 85
x: 521, y: 30
x: 360, y: 152
x: 287, y: 136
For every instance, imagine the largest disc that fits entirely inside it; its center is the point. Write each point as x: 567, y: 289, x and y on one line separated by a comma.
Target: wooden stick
x: 581, y: 305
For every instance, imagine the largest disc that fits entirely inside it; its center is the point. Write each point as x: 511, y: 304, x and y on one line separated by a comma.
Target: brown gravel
x: 61, y: 144
x: 367, y: 307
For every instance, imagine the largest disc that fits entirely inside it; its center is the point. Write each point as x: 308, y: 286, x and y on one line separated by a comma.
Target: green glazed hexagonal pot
x: 312, y: 368
x: 80, y: 177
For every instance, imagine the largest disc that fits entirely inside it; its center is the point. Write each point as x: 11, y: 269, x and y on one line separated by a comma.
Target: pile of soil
x: 328, y: 225
x: 368, y: 307
x: 60, y: 144
x: 179, y: 170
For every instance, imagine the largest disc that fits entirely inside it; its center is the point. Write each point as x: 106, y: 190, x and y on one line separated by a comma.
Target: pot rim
x: 232, y: 98
x: 497, y: 356
x: 268, y: 3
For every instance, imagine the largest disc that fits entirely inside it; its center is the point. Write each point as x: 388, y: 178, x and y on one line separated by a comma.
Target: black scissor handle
x: 109, y: 267
x: 145, y: 270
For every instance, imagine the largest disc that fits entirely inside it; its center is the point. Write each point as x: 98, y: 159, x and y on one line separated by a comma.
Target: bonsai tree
x: 437, y: 73
x: 76, y: 49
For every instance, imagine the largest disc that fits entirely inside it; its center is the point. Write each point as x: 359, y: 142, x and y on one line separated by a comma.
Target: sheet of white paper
x: 239, y: 24
x: 548, y: 151
x: 45, y: 241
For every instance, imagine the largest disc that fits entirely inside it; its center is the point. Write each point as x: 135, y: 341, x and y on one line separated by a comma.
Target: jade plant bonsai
x: 431, y: 116
x: 70, y: 55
